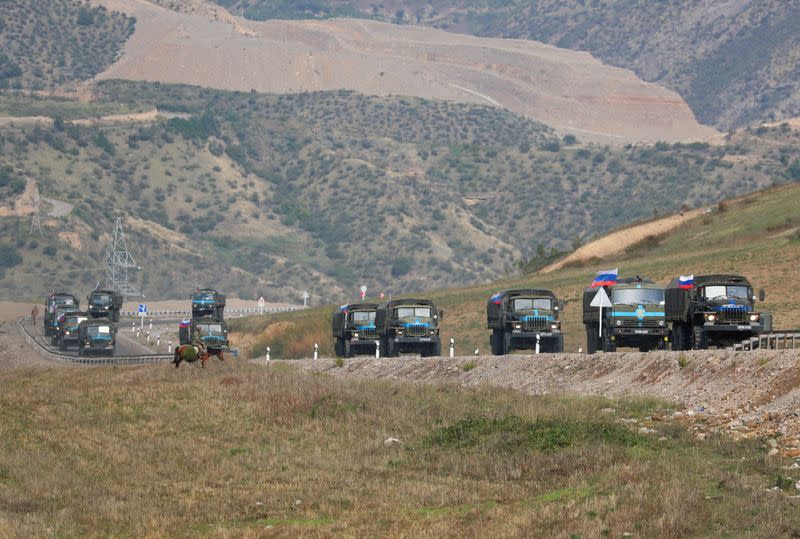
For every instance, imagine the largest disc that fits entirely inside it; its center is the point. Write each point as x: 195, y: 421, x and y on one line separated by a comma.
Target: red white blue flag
x: 605, y: 278
x: 686, y: 282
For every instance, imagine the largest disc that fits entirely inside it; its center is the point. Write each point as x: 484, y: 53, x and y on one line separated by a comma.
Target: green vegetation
x: 46, y: 44
x: 276, y: 451
x: 272, y: 195
x: 733, y: 67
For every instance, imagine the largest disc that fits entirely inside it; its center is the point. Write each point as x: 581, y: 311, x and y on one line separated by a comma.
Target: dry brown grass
x: 239, y: 450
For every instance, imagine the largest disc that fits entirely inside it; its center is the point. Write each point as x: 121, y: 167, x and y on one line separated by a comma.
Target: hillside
x: 273, y: 195
x: 567, y: 90
x: 47, y: 44
x: 735, y: 63
x: 757, y: 236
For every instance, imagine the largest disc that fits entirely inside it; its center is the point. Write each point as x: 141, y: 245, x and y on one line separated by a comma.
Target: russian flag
x: 686, y: 282
x: 496, y: 299
x: 605, y: 278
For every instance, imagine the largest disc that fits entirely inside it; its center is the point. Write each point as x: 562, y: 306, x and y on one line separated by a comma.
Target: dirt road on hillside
x: 745, y: 394
x: 569, y: 90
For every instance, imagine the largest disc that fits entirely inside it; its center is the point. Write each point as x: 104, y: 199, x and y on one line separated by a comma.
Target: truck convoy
x: 713, y: 310
x: 635, y: 318
x: 409, y: 326
x: 104, y: 304
x: 208, y: 302
x: 354, y: 329
x: 519, y: 319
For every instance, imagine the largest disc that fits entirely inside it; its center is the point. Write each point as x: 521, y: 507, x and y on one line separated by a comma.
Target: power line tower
x: 119, y: 262
x: 36, y: 219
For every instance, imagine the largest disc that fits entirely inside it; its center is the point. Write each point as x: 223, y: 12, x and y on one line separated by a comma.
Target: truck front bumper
x: 655, y: 332
x: 710, y: 327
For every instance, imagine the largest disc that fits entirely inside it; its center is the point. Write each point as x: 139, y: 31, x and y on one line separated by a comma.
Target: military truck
x: 354, y: 329
x: 69, y: 328
x: 97, y: 336
x: 518, y: 318
x: 713, y: 310
x: 53, y: 302
x: 208, y: 302
x: 104, y: 304
x: 58, y: 321
x: 213, y: 332
x: 409, y: 326
x: 635, y: 319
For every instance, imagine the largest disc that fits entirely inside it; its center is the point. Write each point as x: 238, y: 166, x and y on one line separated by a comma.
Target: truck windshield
x: 60, y: 302
x: 363, y: 316
x: 103, y: 300
x: 209, y: 328
x: 203, y: 297
x: 98, y: 330
x: 75, y: 320
x: 722, y: 291
x: 413, y: 312
x: 527, y: 304
x: 637, y: 296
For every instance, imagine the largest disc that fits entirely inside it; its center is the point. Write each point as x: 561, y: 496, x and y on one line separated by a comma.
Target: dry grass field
x: 240, y: 450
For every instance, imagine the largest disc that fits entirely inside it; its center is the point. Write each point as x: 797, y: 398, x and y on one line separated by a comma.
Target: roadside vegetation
x: 243, y: 450
x: 272, y: 195
x: 46, y: 44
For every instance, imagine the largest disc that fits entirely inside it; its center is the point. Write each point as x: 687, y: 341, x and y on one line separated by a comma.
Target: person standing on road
x: 34, y: 313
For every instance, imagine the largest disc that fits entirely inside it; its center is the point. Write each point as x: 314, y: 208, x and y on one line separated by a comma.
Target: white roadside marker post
x: 316, y: 351
x: 538, y: 338
x: 452, y: 347
x: 158, y: 343
x: 169, y: 347
x: 377, y: 349
x: 268, y: 352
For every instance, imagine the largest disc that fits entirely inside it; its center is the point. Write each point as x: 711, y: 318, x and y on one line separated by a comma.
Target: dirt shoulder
x: 746, y: 394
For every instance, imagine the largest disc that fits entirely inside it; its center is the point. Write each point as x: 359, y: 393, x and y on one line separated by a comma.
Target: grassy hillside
x: 734, y: 65
x: 240, y: 450
x: 47, y: 43
x: 273, y: 195
x: 757, y: 236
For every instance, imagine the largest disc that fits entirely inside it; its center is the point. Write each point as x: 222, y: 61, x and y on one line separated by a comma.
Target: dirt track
x: 568, y: 90
x: 746, y: 394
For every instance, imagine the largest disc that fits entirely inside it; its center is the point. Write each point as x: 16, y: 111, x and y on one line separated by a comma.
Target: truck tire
x: 591, y: 339
x: 700, y: 341
x: 115, y: 317
x: 681, y: 337
x: 391, y: 348
x: 608, y: 344
x: 54, y: 340
x: 496, y: 343
x: 219, y: 313
x: 507, y: 348
x: 557, y: 346
x: 80, y: 350
x: 338, y: 348
x: 436, y: 349
x: 347, y: 350
x: 61, y: 344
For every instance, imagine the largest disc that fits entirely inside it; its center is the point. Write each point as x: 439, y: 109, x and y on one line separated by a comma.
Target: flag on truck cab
x: 497, y: 298
x: 605, y: 278
x: 686, y: 282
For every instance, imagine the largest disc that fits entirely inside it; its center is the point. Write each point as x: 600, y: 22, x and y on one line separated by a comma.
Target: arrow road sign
x: 600, y: 300
x: 142, y: 309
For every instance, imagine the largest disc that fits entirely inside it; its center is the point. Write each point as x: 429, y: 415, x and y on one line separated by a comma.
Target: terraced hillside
x: 735, y: 63
x: 757, y: 236
x: 45, y: 44
x: 273, y: 195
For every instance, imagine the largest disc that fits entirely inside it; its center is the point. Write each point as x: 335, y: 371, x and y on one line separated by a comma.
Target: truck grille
x: 535, y: 323
x: 417, y: 330
x: 733, y: 314
x: 368, y: 334
x: 630, y: 323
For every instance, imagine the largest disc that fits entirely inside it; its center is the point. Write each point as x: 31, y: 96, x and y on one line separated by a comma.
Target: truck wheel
x: 436, y: 349
x: 80, y: 351
x: 507, y: 349
x: 348, y: 350
x: 495, y: 343
x: 557, y: 346
x: 700, y: 338
x: 338, y: 348
x: 608, y: 344
x: 61, y: 344
x: 115, y: 318
x: 591, y: 339
x: 54, y: 340
x: 391, y: 348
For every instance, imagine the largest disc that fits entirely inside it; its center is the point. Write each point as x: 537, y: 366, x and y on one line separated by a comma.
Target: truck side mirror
x: 762, y: 295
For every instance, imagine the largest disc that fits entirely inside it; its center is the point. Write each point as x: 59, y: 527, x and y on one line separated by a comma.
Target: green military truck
x: 213, y: 333
x: 55, y: 301
x: 56, y: 327
x: 69, y: 328
x: 521, y: 318
x: 409, y: 326
x: 635, y: 318
x: 208, y: 302
x: 713, y: 310
x: 104, y: 304
x: 97, y: 336
x: 354, y: 329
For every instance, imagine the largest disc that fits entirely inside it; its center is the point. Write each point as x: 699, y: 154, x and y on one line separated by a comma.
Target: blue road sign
x: 142, y: 308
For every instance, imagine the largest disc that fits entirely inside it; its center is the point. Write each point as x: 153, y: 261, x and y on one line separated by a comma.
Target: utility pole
x: 36, y: 219
x: 119, y: 261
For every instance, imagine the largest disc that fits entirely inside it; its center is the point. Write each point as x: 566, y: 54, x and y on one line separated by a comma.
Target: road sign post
x: 305, y: 298
x: 142, y: 311
x: 600, y: 300
x: 363, y: 292
x: 261, y: 305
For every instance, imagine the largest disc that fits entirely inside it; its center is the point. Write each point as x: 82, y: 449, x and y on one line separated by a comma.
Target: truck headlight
x: 619, y: 322
x: 517, y: 326
x: 399, y: 331
x: 433, y: 332
x: 662, y: 323
x: 754, y: 317
x: 554, y: 326
x: 711, y: 317
x: 355, y: 335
